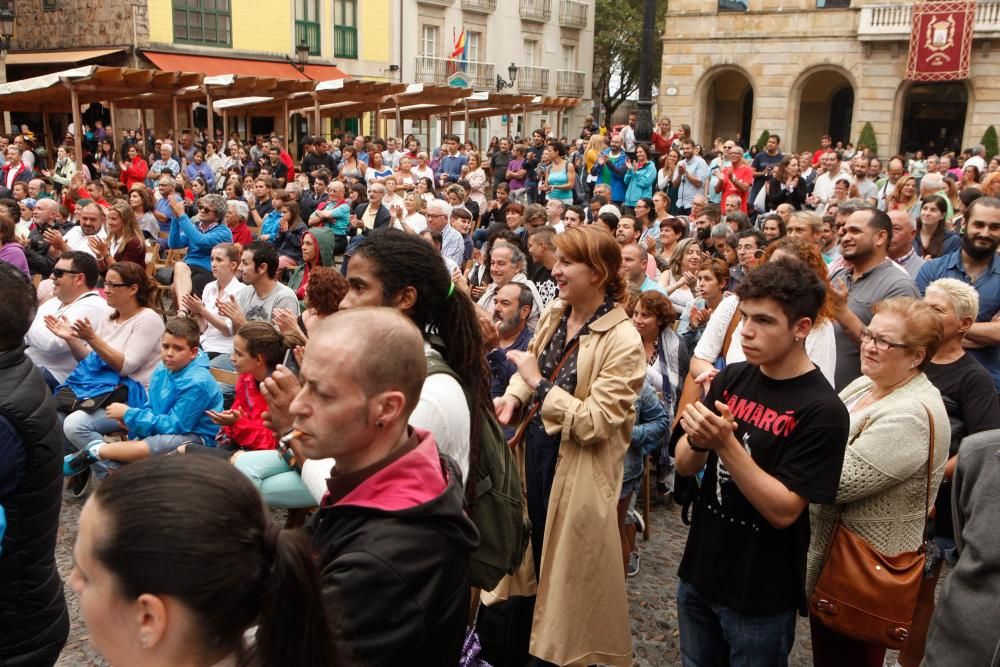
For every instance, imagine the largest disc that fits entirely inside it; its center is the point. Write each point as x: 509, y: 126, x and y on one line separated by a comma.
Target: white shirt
x: 419, y: 173
x: 213, y: 340
x: 628, y: 138
x: 50, y: 351
x: 974, y: 161
x: 821, y: 346
x: 416, y: 222
x: 77, y: 240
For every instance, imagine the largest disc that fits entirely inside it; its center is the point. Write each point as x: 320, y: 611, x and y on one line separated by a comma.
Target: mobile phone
x: 290, y: 362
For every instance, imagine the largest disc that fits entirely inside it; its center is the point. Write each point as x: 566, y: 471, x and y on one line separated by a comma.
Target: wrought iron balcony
x: 573, y: 14
x: 570, y: 83
x: 445, y: 70
x: 536, y: 10
x: 533, y: 80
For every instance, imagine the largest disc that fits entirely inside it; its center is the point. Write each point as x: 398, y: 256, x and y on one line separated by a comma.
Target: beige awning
x: 56, y: 57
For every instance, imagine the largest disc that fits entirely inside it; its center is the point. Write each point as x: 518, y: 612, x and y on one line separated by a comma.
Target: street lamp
x: 6, y: 25
x: 512, y: 72
x: 302, y: 55
x: 644, y: 123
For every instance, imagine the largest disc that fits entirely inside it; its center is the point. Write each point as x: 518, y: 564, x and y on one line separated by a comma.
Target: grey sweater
x: 965, y: 629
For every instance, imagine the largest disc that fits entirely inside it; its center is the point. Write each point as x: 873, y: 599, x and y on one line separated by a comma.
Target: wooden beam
x: 142, y: 128
x: 177, y: 132
x: 211, y: 116
x: 225, y: 133
x: 317, y: 116
x: 114, y: 127
x: 74, y: 100
x: 286, y: 124
x: 49, y: 143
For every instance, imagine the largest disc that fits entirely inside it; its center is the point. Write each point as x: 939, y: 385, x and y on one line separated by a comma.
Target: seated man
x: 74, y: 282
x: 393, y: 519
x: 181, y: 390
x: 195, y: 271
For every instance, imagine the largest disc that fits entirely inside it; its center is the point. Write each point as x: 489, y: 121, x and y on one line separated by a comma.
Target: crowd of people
x: 461, y: 364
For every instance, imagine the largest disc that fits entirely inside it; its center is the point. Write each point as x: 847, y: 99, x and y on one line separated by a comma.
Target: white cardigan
x: 883, y: 484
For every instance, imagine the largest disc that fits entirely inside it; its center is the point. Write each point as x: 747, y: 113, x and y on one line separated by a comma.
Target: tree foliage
x: 617, y: 52
x: 867, y: 138
x: 990, y: 142
x: 762, y: 140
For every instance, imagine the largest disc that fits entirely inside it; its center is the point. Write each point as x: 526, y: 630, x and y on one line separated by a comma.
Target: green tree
x: 617, y: 52
x: 762, y: 140
x: 867, y: 138
x: 990, y: 142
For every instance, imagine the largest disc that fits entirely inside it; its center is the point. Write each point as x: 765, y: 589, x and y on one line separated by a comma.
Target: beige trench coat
x: 581, y: 612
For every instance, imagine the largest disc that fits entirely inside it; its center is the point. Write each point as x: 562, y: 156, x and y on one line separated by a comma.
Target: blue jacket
x: 649, y: 432
x: 177, y: 403
x: 639, y: 183
x: 184, y: 233
x: 451, y: 166
x: 612, y: 172
x: 270, y: 226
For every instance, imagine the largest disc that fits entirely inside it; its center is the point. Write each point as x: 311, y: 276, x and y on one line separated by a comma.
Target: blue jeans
x: 280, y: 485
x: 713, y: 635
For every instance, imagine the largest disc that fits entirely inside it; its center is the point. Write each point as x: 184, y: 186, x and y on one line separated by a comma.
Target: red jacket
x: 242, y: 234
x: 249, y: 431
x: 136, y: 172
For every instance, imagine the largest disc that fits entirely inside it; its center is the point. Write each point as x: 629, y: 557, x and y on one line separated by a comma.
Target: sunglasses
x: 204, y: 209
x: 109, y: 285
x: 59, y: 273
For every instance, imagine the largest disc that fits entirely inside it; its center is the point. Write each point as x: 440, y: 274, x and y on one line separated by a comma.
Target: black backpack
x: 498, y: 509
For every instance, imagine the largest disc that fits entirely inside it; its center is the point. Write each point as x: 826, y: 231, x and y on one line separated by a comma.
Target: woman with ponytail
x: 399, y: 270
x: 176, y: 558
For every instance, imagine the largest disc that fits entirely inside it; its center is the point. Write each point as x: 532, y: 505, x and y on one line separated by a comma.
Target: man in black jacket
x: 366, y: 218
x: 393, y: 538
x: 34, y: 623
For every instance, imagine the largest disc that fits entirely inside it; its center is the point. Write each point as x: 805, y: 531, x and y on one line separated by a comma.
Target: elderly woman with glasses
x: 884, y: 480
x: 195, y: 271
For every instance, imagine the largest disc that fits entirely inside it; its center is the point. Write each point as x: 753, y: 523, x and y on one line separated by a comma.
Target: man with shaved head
x: 393, y: 519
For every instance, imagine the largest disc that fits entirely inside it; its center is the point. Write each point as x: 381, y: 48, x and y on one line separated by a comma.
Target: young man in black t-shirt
x: 770, y: 439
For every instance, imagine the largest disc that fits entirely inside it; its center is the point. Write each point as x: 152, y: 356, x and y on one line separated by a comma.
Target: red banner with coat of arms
x: 941, y: 40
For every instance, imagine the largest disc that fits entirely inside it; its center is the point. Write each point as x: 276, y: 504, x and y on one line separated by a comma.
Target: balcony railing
x: 572, y: 14
x: 480, y: 6
x: 345, y: 41
x: 441, y: 70
x: 885, y: 22
x: 533, y: 80
x: 308, y: 32
x: 536, y: 10
x: 570, y: 83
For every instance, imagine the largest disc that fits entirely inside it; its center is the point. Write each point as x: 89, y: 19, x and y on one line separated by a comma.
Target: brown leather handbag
x: 864, y: 594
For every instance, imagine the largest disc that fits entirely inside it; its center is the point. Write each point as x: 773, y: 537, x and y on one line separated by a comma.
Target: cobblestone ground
x: 651, y: 595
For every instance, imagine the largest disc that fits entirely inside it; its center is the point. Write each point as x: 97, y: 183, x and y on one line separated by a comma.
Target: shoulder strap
x: 733, y: 321
x: 930, y: 461
x: 534, y: 408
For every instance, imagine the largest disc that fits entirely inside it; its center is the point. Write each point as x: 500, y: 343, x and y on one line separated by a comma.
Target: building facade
x: 805, y: 68
x: 406, y: 41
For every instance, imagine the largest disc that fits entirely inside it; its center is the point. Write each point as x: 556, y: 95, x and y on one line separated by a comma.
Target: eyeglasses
x: 59, y: 273
x: 110, y: 285
x: 881, y: 344
x: 203, y: 209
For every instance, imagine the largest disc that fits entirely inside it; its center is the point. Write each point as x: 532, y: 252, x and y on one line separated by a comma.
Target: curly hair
x: 793, y: 284
x: 922, y: 324
x: 655, y: 303
x: 325, y: 290
x: 810, y: 254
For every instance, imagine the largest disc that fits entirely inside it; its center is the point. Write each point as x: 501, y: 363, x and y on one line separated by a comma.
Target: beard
x: 978, y: 253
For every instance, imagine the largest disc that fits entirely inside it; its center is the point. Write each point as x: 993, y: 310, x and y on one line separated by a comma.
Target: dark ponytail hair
x: 263, y: 339
x: 214, y: 548
x: 133, y: 274
x: 445, y: 315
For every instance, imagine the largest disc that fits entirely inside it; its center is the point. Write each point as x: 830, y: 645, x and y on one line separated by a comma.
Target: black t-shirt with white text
x: 796, y: 431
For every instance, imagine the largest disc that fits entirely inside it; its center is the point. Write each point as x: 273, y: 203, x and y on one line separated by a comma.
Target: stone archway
x: 726, y: 97
x: 934, y: 117
x: 822, y: 102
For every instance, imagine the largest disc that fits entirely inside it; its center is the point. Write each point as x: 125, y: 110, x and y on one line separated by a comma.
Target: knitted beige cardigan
x: 883, y: 483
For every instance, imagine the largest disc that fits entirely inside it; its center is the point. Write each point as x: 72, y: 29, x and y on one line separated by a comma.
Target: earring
x: 380, y: 423
x: 144, y: 641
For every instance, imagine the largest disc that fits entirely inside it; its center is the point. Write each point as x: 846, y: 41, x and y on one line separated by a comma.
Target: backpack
x: 498, y: 509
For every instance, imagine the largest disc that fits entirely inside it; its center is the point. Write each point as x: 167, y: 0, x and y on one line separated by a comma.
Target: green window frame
x: 207, y: 22
x: 307, y: 25
x: 345, y: 29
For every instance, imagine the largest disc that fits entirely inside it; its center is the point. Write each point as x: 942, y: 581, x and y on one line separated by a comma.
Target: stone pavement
x: 651, y: 595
